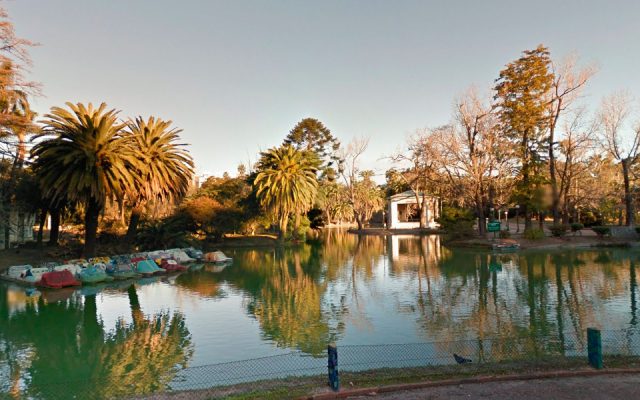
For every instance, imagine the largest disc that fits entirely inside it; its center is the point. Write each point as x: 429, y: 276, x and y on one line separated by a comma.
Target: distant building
x: 403, y: 211
x: 196, y: 182
x: 20, y: 228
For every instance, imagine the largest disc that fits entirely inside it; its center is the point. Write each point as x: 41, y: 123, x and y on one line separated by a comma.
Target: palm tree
x: 166, y: 167
x: 286, y: 183
x: 86, y: 160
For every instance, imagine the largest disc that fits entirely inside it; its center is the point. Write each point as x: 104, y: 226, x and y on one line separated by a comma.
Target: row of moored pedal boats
x: 82, y: 271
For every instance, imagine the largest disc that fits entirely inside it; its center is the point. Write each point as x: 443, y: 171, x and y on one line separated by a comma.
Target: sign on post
x: 493, y: 226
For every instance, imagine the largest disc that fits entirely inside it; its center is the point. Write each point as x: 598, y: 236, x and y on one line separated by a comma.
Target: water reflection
x: 349, y: 289
x: 48, y: 344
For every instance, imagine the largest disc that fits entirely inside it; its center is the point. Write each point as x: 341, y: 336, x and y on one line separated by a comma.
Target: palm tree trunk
x: 43, y: 217
x: 91, y: 227
x: 136, y: 214
x: 296, y: 225
x: 54, y: 231
x: 284, y: 220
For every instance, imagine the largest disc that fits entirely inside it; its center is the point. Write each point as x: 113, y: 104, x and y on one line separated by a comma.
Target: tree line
x: 530, y: 144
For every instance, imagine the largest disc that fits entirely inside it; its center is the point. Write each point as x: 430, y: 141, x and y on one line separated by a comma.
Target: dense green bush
x: 534, y: 234
x: 457, y: 223
x: 576, y: 227
x: 173, y: 231
x: 462, y: 229
x: 452, y: 215
x: 505, y: 234
x: 590, y: 218
x: 601, y: 231
x: 317, y: 218
x: 299, y: 233
x: 558, y: 230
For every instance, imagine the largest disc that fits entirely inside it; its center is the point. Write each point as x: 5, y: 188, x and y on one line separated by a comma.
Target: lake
x: 349, y: 289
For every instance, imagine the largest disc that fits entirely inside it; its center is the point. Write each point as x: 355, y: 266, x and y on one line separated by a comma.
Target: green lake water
x: 351, y: 290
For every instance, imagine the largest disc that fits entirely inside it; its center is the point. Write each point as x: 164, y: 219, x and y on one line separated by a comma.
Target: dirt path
x: 600, y: 387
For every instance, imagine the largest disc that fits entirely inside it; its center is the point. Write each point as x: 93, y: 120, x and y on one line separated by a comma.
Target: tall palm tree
x: 86, y: 160
x: 286, y: 182
x: 167, y: 168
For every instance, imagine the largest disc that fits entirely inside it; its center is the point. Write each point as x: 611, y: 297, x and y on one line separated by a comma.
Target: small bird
x: 460, y: 359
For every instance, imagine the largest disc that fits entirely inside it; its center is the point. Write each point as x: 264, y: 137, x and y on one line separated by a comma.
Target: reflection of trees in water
x: 203, y: 283
x: 286, y: 295
x: 303, y: 296
x: 537, y: 298
x: 135, y: 358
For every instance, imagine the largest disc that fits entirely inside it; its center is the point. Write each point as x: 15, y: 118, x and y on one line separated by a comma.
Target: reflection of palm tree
x: 76, y: 357
x: 144, y: 357
x: 285, y: 290
x: 290, y: 308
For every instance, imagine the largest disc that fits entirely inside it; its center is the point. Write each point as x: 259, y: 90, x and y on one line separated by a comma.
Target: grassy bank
x: 301, y: 387
x: 27, y: 256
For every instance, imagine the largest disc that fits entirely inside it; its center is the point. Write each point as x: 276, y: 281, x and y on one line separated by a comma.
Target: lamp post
x: 491, y: 214
x: 506, y: 218
x: 517, y: 215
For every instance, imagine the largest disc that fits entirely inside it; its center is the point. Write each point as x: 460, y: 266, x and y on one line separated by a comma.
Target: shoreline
x: 391, y: 232
x: 548, y: 243
x: 35, y: 256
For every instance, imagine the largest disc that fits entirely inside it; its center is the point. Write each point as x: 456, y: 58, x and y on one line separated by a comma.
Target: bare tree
x: 474, y: 155
x: 613, y: 117
x: 417, y: 168
x: 573, y: 163
x: 363, y: 196
x: 16, y: 116
x: 566, y: 86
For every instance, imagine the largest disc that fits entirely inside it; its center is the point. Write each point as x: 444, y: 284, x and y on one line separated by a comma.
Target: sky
x: 236, y: 75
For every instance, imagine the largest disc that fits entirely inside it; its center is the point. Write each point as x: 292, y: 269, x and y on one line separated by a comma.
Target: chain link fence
x: 218, y: 380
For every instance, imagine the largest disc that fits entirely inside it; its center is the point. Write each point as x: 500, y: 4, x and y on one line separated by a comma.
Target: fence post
x: 594, y: 347
x: 334, y: 378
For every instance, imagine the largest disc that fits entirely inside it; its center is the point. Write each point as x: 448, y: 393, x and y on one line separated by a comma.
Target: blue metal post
x: 334, y: 377
x: 594, y: 347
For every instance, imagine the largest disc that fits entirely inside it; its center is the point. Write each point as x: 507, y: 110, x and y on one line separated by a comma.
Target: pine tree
x: 522, y: 97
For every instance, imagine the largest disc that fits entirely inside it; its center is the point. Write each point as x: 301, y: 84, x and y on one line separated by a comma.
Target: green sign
x: 493, y: 226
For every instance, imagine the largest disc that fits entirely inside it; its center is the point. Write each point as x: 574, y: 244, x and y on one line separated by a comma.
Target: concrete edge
x: 461, y: 381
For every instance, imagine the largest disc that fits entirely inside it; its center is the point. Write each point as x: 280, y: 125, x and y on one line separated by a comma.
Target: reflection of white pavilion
x: 411, y: 248
x: 403, y: 211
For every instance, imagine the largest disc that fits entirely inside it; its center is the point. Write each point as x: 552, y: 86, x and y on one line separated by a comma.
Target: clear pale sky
x: 238, y: 75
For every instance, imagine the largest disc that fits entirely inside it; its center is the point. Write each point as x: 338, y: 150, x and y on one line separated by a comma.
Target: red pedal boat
x: 172, y: 266
x: 57, y: 280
